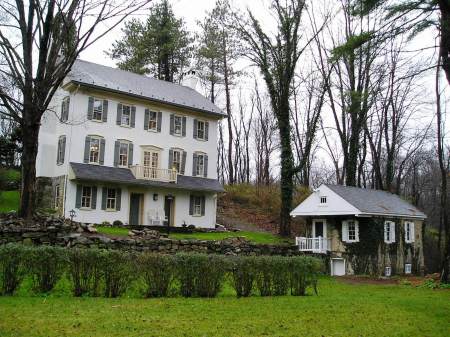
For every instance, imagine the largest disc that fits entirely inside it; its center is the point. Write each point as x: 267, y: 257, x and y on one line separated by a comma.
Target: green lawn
x: 9, y: 201
x: 339, y: 310
x: 257, y: 237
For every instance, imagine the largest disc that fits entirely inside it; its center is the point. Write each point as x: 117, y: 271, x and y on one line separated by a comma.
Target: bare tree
x: 39, y: 42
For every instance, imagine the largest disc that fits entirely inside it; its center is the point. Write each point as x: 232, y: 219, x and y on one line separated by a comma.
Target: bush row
x: 109, y: 273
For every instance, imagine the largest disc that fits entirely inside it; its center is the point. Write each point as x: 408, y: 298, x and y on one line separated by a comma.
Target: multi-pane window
x: 178, y: 125
x: 200, y: 129
x: 409, y: 232
x: 86, y: 196
x: 387, y: 231
x: 151, y: 164
x: 97, y: 112
x: 94, y: 150
x: 351, y: 231
x: 57, y: 196
x: 197, y: 206
x: 200, y: 167
x: 61, y: 150
x: 126, y: 115
x: 176, y: 161
x: 111, y: 199
x: 123, y: 154
x: 65, y: 109
x: 153, y: 121
x: 323, y: 200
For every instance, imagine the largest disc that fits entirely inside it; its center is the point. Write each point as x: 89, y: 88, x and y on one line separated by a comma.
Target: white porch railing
x: 157, y: 174
x: 316, y: 245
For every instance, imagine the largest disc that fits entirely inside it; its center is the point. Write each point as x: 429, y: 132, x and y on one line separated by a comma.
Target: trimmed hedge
x: 93, y: 272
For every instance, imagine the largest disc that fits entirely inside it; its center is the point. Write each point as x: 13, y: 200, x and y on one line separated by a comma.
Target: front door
x: 135, y: 209
x: 169, y: 202
x: 319, y: 229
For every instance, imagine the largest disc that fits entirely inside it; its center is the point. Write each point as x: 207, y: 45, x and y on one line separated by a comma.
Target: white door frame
x: 324, y: 224
x: 331, y: 265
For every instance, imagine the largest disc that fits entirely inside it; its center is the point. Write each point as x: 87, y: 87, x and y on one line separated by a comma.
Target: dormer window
x: 323, y: 200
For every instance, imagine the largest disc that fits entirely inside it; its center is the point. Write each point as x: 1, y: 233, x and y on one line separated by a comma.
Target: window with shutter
x: 123, y: 153
x: 177, y: 125
x: 197, y: 211
x: 409, y: 232
x: 94, y: 150
x: 65, y: 109
x: 176, y: 159
x: 125, y: 115
x: 86, y: 197
x: 200, y: 130
x: 111, y: 199
x: 61, y: 150
x: 97, y: 110
x: 152, y: 121
x: 389, y: 232
x: 199, y: 164
x: 350, y: 231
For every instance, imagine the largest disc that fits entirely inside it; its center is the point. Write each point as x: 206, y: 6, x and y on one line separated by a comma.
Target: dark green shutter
x: 203, y: 205
x: 105, y: 110
x: 171, y: 123
x: 158, y: 127
x: 130, y: 154
x: 170, y: 159
x: 195, y: 128
x: 63, y: 149
x: 133, y: 116
x: 94, y: 197
x: 194, y: 164
x: 119, y: 114
x: 206, y: 130
x: 191, y: 204
x: 78, y: 196
x: 104, y: 194
x: 183, y: 163
x: 205, y: 165
x: 116, y: 153
x: 87, y: 144
x: 183, y: 127
x: 90, y: 108
x: 146, y: 119
x: 102, y: 152
x: 118, y: 199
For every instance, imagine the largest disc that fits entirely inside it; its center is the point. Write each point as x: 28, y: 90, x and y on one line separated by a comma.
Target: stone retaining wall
x: 57, y: 231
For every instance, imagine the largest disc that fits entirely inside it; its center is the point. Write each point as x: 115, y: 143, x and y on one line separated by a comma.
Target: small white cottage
x: 362, y: 231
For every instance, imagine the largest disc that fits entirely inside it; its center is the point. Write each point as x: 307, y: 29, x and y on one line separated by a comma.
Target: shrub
x: 46, y: 265
x: 12, y: 267
x: 264, y: 275
x: 280, y: 275
x: 85, y: 271
x: 200, y: 274
x: 118, y: 271
x: 304, y: 271
x: 117, y: 223
x: 243, y: 272
x: 158, y: 273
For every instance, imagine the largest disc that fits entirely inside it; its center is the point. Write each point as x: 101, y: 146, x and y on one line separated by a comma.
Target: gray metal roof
x: 120, y: 81
x: 376, y: 201
x: 123, y: 176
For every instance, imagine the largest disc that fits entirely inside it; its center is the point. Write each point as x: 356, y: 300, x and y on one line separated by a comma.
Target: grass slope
x: 339, y: 310
x: 9, y: 201
x: 257, y: 237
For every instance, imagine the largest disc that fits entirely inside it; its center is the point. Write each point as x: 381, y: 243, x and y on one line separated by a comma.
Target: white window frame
x: 202, y: 129
x: 200, y: 169
x: 177, y: 163
x: 324, y: 226
x: 408, y: 268
x: 57, y: 196
x: 123, y: 115
x: 389, y: 231
x: 153, y: 120
x: 96, y: 111
x: 150, y: 170
x: 99, y: 140
x: 387, y: 271
x: 409, y: 232
x: 177, y: 129
x: 86, y: 200
x: 346, y: 236
x: 127, y: 144
x: 111, y: 201
x: 197, y: 211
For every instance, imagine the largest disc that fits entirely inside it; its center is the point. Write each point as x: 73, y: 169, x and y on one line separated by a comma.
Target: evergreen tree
x: 160, y: 46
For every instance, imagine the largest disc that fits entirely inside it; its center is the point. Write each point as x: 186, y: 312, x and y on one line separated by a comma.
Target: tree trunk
x: 30, y: 149
x: 228, y: 107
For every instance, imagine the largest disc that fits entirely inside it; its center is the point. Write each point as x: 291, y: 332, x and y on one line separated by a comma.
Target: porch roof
x: 123, y: 176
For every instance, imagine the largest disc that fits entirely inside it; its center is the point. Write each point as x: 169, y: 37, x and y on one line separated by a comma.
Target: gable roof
x: 140, y: 86
x: 376, y: 202
x: 116, y: 175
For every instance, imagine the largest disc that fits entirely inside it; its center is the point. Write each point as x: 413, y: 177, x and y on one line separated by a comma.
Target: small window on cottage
x: 197, y: 206
x: 97, y: 113
x: 153, y: 121
x: 111, y: 199
x: 407, y: 268
x: 409, y: 232
x: 387, y: 271
x: 351, y: 231
x: 178, y: 125
x: 94, y: 150
x: 86, y: 197
x: 323, y: 200
x: 389, y: 231
x: 123, y: 154
x: 126, y: 115
x: 57, y: 196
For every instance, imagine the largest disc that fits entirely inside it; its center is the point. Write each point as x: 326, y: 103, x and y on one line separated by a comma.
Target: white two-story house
x: 115, y: 145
